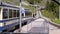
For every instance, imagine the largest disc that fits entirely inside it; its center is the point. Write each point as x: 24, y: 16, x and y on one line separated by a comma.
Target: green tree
x: 32, y: 1
x: 53, y: 7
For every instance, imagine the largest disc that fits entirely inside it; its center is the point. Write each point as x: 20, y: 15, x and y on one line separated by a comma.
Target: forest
x: 52, y: 11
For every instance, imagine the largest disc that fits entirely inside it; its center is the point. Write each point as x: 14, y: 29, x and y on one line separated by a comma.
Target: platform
x: 36, y: 26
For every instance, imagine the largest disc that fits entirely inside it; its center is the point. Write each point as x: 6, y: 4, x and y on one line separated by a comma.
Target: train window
x: 5, y: 13
x: 22, y: 14
x: 28, y: 13
x: 17, y: 13
x: 14, y: 13
x: 10, y: 13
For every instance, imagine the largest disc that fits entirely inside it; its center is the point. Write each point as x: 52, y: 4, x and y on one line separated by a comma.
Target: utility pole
x: 20, y: 16
x: 34, y: 9
x: 0, y: 2
x: 59, y: 10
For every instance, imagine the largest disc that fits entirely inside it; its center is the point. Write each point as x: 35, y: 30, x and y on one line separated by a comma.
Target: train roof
x: 2, y: 4
x: 8, y: 5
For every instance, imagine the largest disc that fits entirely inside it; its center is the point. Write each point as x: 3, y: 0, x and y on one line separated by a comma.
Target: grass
x: 56, y: 21
x: 51, y: 16
x: 48, y: 14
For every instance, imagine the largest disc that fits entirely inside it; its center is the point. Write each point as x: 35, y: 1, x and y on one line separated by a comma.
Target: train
x: 9, y: 17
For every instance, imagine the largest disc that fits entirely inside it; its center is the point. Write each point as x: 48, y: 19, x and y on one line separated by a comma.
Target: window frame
x: 17, y: 11
x: 7, y: 15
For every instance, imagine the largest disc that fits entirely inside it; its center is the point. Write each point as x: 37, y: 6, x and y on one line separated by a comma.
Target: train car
x: 9, y: 17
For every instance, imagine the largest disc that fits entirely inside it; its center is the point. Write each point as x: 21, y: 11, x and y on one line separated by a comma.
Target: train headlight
x: 1, y: 24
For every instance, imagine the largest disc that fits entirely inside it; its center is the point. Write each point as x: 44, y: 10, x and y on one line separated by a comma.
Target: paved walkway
x: 37, y: 26
x: 53, y: 29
